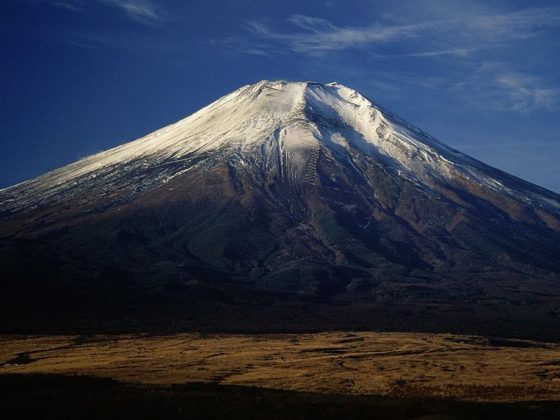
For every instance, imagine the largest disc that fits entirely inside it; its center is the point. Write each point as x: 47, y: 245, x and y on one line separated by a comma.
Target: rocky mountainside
x: 287, y: 198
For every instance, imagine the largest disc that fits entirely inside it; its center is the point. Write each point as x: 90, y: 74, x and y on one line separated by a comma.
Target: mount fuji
x: 283, y: 205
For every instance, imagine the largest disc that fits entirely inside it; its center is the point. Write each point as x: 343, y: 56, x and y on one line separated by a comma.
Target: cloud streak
x: 73, y: 5
x: 443, y: 37
x: 142, y: 11
x: 319, y: 35
x: 480, y: 44
x: 493, y: 86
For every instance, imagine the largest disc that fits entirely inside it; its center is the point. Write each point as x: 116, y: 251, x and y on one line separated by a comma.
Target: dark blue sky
x: 81, y: 76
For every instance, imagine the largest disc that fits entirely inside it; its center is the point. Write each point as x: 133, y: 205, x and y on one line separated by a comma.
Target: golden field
x: 360, y: 363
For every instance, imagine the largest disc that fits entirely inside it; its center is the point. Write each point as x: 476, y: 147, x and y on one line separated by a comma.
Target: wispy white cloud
x: 528, y: 92
x: 434, y: 53
x: 440, y: 37
x: 319, y: 35
x: 494, y: 86
x: 235, y: 46
x: 491, y: 86
x: 143, y: 11
x: 394, y: 82
x: 312, y: 24
x: 73, y: 5
x: 123, y: 41
x: 471, y: 40
x: 521, y: 24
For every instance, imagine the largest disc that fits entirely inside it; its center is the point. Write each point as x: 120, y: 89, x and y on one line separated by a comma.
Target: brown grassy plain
x: 360, y: 363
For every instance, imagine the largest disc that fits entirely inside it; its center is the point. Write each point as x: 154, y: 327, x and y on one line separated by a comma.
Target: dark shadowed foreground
x: 58, y: 396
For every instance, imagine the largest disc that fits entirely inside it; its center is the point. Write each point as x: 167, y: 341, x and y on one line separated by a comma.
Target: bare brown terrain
x: 386, y: 364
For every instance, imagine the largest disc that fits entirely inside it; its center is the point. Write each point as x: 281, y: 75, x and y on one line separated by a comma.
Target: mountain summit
x: 291, y: 193
x: 279, y: 127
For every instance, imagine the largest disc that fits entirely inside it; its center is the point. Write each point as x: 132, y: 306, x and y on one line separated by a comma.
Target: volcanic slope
x: 289, y: 192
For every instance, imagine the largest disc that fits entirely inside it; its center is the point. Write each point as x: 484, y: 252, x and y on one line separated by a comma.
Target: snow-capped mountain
x: 294, y: 189
x: 278, y: 128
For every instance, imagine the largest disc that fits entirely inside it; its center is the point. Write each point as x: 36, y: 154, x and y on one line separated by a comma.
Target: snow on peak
x: 287, y: 121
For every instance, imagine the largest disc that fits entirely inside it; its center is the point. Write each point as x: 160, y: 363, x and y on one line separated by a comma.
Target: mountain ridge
x: 303, y: 107
x: 289, y: 192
